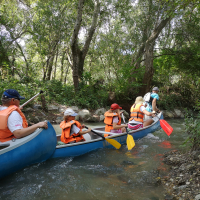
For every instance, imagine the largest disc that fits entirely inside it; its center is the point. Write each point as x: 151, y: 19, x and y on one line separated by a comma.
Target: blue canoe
x: 94, y: 142
x: 34, y: 148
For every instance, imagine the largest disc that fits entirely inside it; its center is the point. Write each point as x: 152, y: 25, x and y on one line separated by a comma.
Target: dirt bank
x: 37, y: 115
x: 183, y: 180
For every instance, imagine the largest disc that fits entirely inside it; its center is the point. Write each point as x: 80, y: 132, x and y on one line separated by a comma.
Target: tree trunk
x: 148, y: 55
x: 54, y: 76
x: 50, y: 67
x: 78, y: 55
x: 44, y: 104
x: 50, y: 59
x: 149, y: 71
x: 61, y: 69
x: 78, y: 62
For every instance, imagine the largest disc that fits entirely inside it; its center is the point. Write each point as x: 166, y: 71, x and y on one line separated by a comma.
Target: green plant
x: 89, y: 96
x: 192, y: 128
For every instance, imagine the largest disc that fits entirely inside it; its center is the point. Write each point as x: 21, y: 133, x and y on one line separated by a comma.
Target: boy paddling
x: 72, y: 129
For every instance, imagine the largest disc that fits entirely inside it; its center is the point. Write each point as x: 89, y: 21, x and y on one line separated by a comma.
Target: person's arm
x: 77, y: 130
x: 148, y: 113
x: 116, y: 126
x: 154, y: 105
x: 27, y: 131
x: 84, y: 132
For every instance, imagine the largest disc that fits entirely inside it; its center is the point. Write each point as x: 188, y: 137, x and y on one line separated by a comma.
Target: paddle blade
x: 130, y: 142
x: 166, y: 127
x: 116, y: 144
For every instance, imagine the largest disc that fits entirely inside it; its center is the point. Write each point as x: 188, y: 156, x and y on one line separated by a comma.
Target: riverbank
x: 54, y: 113
x: 183, y: 180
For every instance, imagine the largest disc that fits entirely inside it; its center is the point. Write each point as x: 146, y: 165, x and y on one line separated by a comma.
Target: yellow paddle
x: 129, y: 140
x: 116, y: 144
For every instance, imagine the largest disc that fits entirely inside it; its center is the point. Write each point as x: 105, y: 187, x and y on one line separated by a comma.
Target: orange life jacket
x: 66, y: 127
x: 109, y: 121
x: 5, y: 133
x: 136, y: 114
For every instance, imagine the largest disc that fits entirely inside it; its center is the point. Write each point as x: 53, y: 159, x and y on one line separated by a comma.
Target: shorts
x: 116, y: 131
x: 135, y: 127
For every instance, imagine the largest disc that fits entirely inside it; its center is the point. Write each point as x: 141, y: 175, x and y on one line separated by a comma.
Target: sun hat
x: 70, y: 112
x: 11, y: 93
x: 115, y: 106
x: 155, y: 89
x: 139, y: 100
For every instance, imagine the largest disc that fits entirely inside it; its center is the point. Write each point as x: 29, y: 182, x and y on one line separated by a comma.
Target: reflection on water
x: 101, y: 174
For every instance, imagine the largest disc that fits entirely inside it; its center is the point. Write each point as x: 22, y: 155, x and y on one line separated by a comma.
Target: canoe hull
x: 37, y: 150
x: 78, y: 149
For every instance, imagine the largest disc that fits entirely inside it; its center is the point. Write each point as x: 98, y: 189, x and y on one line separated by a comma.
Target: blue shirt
x: 149, y: 106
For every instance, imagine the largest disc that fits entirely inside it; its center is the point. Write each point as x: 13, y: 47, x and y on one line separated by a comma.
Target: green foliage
x: 91, y: 94
x: 192, y: 127
x: 184, y: 93
x: 35, y: 40
x: 90, y: 97
x: 26, y: 90
x: 169, y: 101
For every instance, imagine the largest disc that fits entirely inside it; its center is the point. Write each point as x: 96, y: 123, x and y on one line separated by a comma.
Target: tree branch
x: 92, y: 28
x: 77, y: 24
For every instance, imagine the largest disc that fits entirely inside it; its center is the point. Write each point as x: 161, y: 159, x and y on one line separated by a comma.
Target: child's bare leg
x: 148, y: 122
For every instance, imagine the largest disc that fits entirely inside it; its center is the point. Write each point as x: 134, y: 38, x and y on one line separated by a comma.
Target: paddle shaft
x: 114, y: 143
x: 124, y: 122
x: 31, y: 99
x: 129, y: 141
x: 96, y: 133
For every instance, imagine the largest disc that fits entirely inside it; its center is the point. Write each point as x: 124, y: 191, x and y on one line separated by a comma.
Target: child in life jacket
x: 138, y: 110
x: 113, y: 120
x: 72, y: 129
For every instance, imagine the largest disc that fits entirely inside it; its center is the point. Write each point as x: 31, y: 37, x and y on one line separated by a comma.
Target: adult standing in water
x: 13, y: 123
x: 138, y: 111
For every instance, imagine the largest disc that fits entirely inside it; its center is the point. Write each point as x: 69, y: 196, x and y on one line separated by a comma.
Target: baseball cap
x: 11, y: 93
x: 70, y: 112
x: 155, y: 89
x: 115, y: 106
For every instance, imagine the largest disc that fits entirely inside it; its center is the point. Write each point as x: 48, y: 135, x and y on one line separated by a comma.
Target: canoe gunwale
x: 13, y: 144
x: 78, y: 143
x: 112, y: 135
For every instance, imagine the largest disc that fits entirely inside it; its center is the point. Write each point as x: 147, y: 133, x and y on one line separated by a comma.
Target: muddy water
x: 102, y: 174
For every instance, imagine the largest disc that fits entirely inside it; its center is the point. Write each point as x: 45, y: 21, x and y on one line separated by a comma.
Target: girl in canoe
x: 72, y: 129
x: 138, y: 110
x: 113, y: 120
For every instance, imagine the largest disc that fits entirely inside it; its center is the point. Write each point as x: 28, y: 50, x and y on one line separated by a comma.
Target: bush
x: 192, y: 128
x: 90, y: 97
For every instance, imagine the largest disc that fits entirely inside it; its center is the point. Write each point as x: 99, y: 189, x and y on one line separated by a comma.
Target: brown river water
x: 102, y: 174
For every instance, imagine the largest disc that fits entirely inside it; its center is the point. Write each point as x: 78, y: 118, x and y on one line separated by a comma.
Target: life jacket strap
x: 137, y: 115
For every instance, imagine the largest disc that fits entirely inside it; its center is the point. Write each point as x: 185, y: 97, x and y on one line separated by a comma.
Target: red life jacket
x: 66, y: 128
x: 136, y: 114
x: 5, y: 133
x: 109, y: 120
